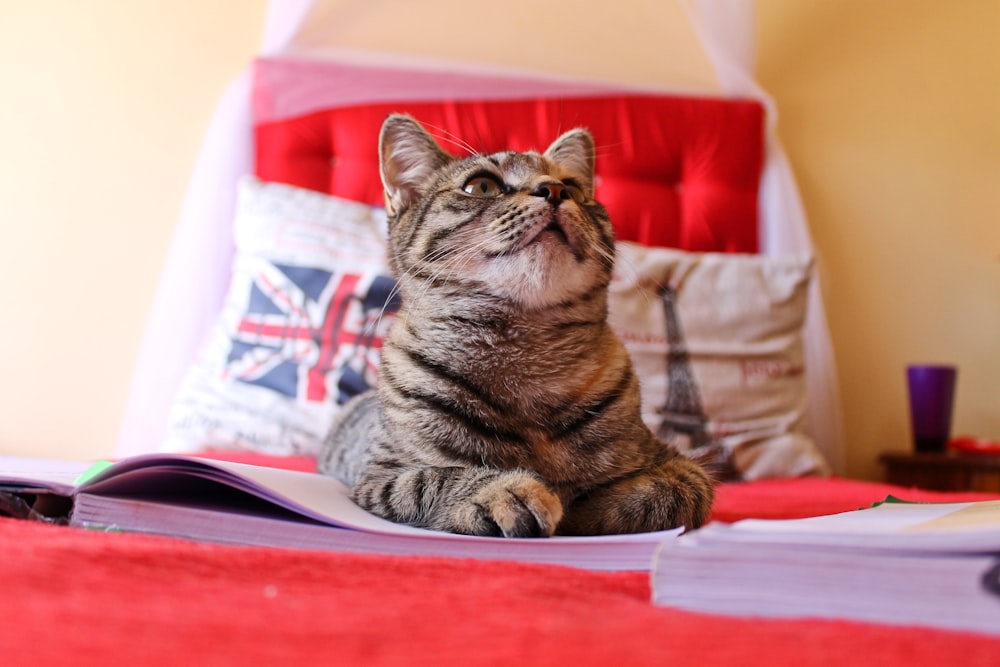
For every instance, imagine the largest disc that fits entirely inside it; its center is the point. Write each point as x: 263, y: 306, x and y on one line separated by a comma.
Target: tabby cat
x: 505, y: 404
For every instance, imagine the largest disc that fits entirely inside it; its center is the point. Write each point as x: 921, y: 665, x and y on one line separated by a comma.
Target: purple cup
x: 932, y: 394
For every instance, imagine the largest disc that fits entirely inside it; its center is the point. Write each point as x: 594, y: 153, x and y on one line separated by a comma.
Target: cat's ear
x: 575, y: 150
x: 408, y: 155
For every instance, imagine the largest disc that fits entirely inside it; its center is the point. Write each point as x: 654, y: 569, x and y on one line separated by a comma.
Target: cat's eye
x: 482, y: 186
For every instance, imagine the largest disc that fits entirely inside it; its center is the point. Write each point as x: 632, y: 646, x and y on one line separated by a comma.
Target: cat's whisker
x: 446, y: 260
x: 625, y: 267
x: 442, y: 133
x: 393, y: 293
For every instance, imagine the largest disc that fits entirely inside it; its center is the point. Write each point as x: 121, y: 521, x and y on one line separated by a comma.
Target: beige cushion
x: 728, y: 371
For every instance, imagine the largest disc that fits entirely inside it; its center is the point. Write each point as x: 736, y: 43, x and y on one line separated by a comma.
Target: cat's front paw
x: 513, y: 504
x: 676, y: 493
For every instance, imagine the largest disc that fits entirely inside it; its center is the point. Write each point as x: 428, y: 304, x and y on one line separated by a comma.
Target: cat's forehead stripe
x: 518, y: 166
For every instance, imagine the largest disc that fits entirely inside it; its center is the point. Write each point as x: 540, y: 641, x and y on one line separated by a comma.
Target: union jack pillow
x: 308, y: 306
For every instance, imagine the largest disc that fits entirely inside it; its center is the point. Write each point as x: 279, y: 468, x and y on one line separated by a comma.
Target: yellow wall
x: 103, y: 105
x: 889, y: 113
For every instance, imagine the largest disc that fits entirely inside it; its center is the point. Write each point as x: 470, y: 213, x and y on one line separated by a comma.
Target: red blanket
x: 81, y: 598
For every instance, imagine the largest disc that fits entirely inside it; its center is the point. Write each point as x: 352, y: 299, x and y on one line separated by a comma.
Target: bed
x: 678, y: 172
x: 86, y: 598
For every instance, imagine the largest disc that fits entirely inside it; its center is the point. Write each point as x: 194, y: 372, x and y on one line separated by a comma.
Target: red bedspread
x: 75, y: 597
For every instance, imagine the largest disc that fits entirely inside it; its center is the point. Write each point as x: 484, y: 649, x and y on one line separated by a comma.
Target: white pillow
x: 301, y: 328
x: 730, y: 365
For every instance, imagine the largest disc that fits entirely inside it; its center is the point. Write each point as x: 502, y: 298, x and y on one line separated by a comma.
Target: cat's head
x: 521, y: 226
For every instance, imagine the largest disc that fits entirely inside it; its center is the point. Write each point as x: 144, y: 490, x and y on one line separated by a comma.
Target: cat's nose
x: 553, y: 191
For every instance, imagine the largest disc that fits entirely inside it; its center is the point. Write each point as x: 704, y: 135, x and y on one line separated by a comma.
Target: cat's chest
x: 520, y: 362
x: 525, y: 360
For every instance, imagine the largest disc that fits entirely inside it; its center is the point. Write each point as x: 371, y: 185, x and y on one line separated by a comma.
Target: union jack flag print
x: 307, y: 332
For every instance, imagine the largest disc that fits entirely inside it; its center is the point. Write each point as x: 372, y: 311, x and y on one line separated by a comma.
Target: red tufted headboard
x: 673, y: 171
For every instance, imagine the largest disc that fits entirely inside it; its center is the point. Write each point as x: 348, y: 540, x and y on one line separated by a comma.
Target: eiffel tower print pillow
x: 308, y: 305
x: 716, y: 340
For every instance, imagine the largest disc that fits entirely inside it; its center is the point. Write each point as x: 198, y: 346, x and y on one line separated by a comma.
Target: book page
x: 886, y: 518
x: 984, y: 514
x: 319, y: 497
x: 56, y: 475
x: 315, y: 496
x: 970, y: 527
x: 329, y: 498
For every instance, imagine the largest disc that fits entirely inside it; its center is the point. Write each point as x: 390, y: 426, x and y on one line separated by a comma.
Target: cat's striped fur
x: 506, y: 406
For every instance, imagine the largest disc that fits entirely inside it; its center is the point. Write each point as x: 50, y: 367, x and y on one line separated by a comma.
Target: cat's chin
x: 543, y: 274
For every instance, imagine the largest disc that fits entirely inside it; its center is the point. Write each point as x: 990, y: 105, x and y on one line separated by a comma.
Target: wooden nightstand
x: 948, y: 471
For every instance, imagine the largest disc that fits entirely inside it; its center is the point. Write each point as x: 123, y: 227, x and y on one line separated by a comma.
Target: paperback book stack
x: 936, y: 565
x: 233, y: 503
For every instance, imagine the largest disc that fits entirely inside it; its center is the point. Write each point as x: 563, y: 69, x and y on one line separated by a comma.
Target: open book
x: 235, y: 503
x: 935, y: 565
